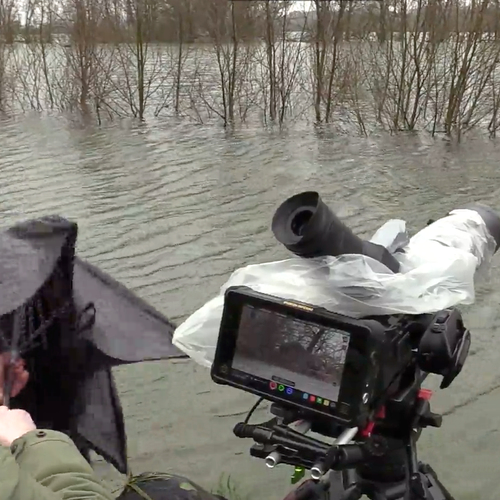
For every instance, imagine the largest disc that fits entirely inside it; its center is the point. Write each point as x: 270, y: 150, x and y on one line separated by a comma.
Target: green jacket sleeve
x: 46, y: 465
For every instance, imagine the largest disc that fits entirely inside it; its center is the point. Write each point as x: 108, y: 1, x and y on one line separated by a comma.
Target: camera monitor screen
x: 298, y: 358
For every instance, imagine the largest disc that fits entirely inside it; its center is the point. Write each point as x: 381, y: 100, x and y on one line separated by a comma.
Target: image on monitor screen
x: 272, y: 345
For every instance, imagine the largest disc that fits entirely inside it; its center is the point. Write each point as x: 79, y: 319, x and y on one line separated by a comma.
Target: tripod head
x: 379, y: 460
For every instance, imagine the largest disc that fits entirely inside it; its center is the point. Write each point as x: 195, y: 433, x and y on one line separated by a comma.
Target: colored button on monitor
x: 281, y: 388
x: 305, y: 395
x: 289, y: 390
x: 273, y: 385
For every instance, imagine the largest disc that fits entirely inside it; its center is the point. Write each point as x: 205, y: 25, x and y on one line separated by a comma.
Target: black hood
x: 103, y: 324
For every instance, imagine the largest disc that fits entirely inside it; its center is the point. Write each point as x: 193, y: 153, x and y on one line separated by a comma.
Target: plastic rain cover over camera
x: 438, y: 268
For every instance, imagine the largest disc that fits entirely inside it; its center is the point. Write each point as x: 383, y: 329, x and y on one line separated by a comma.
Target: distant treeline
x: 204, y: 20
x: 399, y: 65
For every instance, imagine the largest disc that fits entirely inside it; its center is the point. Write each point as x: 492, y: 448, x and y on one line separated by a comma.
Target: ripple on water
x: 171, y: 211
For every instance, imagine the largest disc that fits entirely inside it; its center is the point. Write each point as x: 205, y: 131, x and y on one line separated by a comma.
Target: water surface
x: 172, y: 210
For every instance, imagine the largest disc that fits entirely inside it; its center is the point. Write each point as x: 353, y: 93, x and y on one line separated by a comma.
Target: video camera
x: 358, y: 380
x: 326, y: 365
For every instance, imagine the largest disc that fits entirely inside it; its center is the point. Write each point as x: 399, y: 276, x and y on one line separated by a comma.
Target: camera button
x: 441, y: 318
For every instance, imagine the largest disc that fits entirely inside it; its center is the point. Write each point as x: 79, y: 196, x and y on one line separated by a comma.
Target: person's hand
x: 21, y: 376
x: 14, y: 424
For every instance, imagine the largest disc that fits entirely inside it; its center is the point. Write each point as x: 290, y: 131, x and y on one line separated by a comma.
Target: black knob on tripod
x: 376, y: 446
x: 431, y: 420
x: 425, y: 417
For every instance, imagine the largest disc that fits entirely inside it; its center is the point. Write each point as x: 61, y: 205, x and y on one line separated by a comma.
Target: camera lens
x: 308, y: 228
x: 299, y: 222
x: 490, y: 218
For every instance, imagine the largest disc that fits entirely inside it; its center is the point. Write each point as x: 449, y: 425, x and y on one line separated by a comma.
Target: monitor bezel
x: 357, y: 376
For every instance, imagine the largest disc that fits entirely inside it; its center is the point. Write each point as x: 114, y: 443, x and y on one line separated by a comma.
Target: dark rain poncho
x: 77, y: 323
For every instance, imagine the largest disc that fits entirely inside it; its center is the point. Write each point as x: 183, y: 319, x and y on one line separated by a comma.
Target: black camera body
x: 326, y: 366
x: 356, y: 380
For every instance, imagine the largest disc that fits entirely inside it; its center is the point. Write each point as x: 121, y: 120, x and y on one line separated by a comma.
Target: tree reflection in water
x: 292, y: 344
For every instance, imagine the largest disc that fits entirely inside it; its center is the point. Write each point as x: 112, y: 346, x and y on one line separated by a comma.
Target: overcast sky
x: 300, y: 5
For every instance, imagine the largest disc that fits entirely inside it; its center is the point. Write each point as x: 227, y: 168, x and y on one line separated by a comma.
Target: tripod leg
x: 337, y: 485
x: 343, y: 486
x: 436, y: 489
x: 354, y: 492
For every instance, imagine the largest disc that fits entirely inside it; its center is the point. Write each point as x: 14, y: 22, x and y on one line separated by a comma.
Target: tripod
x: 384, y: 467
x: 394, y: 475
x: 350, y: 485
x: 423, y: 484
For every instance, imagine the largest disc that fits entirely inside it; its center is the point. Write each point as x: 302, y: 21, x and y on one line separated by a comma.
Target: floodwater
x: 171, y: 210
